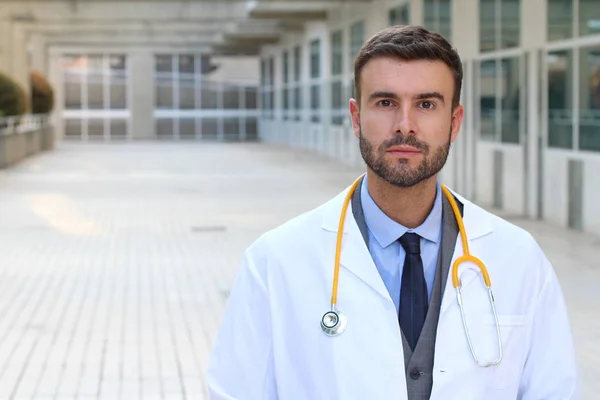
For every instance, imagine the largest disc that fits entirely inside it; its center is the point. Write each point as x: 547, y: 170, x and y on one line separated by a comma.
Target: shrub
x: 42, y: 94
x: 13, y: 101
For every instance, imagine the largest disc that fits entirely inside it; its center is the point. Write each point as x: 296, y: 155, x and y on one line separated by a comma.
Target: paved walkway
x: 115, y: 261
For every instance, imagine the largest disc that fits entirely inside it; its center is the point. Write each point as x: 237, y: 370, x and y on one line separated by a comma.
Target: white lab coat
x: 270, y: 344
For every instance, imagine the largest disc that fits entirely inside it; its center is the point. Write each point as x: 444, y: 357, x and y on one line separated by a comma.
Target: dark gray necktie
x: 413, y: 290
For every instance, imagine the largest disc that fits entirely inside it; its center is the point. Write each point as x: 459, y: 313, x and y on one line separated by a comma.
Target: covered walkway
x: 115, y: 261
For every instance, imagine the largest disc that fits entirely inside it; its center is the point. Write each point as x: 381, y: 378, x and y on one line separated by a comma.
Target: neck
x: 407, y: 206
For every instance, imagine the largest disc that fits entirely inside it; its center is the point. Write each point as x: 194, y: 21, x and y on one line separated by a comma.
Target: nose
x: 404, y: 122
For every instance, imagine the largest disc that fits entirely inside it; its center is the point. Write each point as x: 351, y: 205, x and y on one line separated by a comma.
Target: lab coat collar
x: 356, y: 257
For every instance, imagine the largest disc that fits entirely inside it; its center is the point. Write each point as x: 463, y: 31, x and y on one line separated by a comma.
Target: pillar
x: 533, y: 38
x: 141, y: 94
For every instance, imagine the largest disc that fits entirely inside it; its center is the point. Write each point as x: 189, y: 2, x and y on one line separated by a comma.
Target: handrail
x: 21, y: 124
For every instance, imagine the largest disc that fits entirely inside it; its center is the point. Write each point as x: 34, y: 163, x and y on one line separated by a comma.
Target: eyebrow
x: 420, y: 96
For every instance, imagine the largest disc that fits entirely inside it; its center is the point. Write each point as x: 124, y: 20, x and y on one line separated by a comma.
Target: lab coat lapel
x: 355, y: 256
x: 477, y: 224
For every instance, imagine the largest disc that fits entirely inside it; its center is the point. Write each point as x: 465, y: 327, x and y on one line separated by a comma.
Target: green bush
x: 13, y: 101
x: 42, y: 94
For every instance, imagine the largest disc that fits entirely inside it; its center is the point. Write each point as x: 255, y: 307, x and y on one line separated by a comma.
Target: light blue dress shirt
x: 387, y: 252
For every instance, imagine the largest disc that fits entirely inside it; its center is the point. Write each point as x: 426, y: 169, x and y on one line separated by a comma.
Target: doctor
x: 403, y: 334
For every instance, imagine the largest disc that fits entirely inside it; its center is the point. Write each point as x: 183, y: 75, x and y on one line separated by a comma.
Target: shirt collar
x: 386, y: 231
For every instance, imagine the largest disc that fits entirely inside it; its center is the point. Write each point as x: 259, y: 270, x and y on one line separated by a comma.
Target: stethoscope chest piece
x: 333, y: 323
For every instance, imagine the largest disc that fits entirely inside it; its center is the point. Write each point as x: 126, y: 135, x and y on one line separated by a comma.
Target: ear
x: 457, y: 118
x: 355, y: 116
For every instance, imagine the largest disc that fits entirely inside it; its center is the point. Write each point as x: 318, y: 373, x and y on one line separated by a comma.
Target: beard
x: 399, y: 173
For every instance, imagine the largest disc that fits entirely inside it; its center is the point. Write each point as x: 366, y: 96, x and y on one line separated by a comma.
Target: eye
x: 428, y: 105
x: 385, y: 103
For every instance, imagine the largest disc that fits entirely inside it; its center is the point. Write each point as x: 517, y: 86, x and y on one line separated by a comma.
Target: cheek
x: 377, y: 124
x: 435, y: 130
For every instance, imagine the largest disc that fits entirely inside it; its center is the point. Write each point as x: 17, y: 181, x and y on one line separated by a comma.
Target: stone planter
x: 16, y: 146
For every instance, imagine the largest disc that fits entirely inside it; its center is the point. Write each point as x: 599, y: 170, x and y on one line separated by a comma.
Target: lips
x: 404, y: 150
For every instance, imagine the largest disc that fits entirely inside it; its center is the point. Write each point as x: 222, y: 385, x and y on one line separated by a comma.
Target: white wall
x: 237, y: 68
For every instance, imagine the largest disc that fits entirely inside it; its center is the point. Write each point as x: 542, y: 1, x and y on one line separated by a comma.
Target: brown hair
x: 410, y: 42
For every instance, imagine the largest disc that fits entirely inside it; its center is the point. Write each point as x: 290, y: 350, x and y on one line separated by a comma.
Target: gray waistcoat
x: 419, y: 364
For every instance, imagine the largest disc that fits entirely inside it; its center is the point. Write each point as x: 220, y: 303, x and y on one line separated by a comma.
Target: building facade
x: 139, y: 70
x: 530, y: 140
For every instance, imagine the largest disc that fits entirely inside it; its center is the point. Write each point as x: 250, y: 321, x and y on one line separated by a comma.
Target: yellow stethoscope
x: 334, y: 322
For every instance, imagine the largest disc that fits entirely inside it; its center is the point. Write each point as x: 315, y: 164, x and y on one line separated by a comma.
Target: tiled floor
x: 115, y: 261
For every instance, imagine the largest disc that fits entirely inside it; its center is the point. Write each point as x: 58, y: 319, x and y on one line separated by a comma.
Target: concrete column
x: 19, y: 59
x: 141, y: 94
x: 417, y: 13
x: 37, y: 51
x: 533, y: 38
x: 55, y: 78
x: 465, y: 37
x: 5, y: 46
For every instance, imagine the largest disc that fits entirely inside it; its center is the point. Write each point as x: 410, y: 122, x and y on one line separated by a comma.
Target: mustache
x: 401, y: 140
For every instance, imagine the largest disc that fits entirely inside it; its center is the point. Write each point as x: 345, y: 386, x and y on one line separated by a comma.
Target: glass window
x: 209, y: 93
x: 118, y: 82
x: 231, y: 96
x: 445, y: 19
x: 164, y: 91
x: 429, y: 19
x: 286, y: 101
x: 271, y: 71
x: 164, y: 63
x: 72, y: 94
x: 510, y: 100
x: 315, y: 58
x: 186, y: 64
x: 118, y: 128
x: 337, y: 102
x: 298, y: 102
x: 357, y: 37
x: 118, y: 96
x: 95, y: 128
x: 186, y: 82
x: 297, y: 63
x: 95, y: 83
x: 73, y: 128
x: 487, y: 99
x: 487, y: 25
x: 286, y: 67
x: 187, y: 91
x: 399, y: 15
x: 315, y: 102
x: 589, y: 17
x: 336, y: 53
x: 560, y: 99
x: 251, y: 98
x: 589, y: 100
x: 437, y: 17
x: 499, y: 24
x: 187, y: 128
x: 560, y: 19
x: 510, y: 23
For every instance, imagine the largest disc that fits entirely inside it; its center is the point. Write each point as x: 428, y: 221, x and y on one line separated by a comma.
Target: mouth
x: 404, y: 151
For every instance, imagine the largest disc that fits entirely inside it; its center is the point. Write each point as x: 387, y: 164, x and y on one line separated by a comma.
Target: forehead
x: 406, y: 76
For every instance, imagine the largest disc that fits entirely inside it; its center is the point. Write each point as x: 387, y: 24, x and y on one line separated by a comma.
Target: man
x: 404, y: 336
